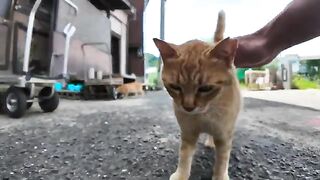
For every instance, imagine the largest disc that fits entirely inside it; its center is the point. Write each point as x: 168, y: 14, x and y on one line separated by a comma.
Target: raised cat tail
x: 221, y: 24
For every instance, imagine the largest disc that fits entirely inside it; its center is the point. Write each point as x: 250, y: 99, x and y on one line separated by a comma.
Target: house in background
x: 287, y: 72
x: 127, y: 41
x: 290, y: 65
x: 119, y: 41
x: 136, y: 57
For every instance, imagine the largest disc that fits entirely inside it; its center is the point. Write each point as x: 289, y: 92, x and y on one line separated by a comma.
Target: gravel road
x: 138, y: 139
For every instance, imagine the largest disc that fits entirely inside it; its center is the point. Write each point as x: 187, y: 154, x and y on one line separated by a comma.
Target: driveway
x: 306, y: 98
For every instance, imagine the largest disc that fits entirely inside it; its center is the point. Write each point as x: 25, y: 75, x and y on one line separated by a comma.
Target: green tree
x: 151, y: 59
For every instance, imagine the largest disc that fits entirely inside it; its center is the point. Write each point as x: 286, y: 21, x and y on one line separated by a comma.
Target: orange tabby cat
x: 201, y: 80
x: 131, y: 88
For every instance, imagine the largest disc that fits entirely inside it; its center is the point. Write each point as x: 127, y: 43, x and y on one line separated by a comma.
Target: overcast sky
x: 196, y: 19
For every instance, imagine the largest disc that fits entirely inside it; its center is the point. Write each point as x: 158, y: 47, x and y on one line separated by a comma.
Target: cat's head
x: 195, y: 73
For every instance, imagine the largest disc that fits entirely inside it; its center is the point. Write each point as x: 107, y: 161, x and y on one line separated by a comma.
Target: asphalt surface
x: 306, y: 98
x: 138, y: 139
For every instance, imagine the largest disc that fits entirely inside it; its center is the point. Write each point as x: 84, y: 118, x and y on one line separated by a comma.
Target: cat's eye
x: 205, y: 89
x: 175, y: 87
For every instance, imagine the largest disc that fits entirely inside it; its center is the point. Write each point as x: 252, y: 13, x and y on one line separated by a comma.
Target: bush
x: 241, y: 74
x: 152, y: 79
x: 301, y: 82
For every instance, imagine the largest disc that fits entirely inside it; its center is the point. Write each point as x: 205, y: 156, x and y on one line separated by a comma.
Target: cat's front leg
x: 223, y: 149
x: 187, y: 149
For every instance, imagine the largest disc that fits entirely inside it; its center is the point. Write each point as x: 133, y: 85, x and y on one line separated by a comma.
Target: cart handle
x: 75, y: 7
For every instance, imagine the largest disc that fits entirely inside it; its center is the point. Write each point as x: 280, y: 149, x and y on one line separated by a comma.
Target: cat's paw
x: 209, y: 142
x: 178, y: 176
x: 226, y: 177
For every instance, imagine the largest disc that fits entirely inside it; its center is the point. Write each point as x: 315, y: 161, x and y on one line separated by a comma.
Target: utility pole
x: 162, y: 21
x: 146, y: 3
x: 162, y: 16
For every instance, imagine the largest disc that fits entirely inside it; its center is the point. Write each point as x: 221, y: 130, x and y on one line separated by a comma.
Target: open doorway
x: 115, y: 52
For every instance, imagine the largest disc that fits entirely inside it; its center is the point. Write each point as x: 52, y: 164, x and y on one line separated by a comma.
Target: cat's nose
x: 189, y: 109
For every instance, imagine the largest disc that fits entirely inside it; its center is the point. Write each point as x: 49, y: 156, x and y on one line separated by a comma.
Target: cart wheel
x: 120, y: 96
x: 14, y: 102
x: 114, y: 93
x: 29, y: 104
x: 46, y: 103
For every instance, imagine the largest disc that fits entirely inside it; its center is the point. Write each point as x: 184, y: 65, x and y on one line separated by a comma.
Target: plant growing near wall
x: 301, y: 82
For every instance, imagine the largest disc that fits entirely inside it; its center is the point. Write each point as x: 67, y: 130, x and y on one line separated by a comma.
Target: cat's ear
x: 166, y: 49
x: 225, y: 50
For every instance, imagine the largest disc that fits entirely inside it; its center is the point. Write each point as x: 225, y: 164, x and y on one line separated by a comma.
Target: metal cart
x: 27, y: 55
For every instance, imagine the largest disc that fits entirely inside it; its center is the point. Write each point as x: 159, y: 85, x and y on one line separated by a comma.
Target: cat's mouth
x: 197, y: 110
